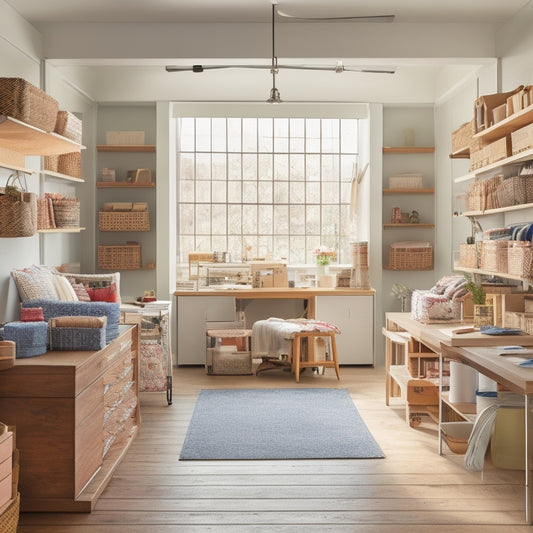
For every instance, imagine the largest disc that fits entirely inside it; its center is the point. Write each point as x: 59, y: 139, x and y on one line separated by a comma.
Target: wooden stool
x: 311, y: 336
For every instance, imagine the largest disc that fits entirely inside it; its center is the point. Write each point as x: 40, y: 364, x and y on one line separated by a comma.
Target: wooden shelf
x: 464, y: 153
x: 408, y: 191
x: 122, y: 185
x: 61, y: 230
x: 496, y: 210
x: 490, y: 273
x: 408, y: 149
x: 125, y: 147
x: 22, y: 138
x: 58, y: 175
x: 407, y: 225
x: 507, y: 125
x: 526, y: 155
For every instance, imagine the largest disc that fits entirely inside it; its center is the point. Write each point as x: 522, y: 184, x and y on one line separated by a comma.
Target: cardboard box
x: 266, y: 275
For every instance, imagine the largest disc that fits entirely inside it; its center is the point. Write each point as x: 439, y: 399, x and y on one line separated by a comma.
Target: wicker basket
x: 9, y: 519
x: 410, y: 256
x: 462, y: 137
x: 119, y: 257
x: 69, y: 126
x: 70, y: 164
x: 520, y: 259
x: 22, y: 100
x: 512, y: 191
x: 493, y: 256
x: 66, y: 212
x: 469, y: 255
x: 124, y: 221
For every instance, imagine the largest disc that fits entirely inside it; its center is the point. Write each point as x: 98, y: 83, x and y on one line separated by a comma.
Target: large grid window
x: 265, y: 187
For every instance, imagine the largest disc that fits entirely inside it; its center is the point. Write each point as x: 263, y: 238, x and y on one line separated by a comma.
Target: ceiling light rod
x: 275, y: 97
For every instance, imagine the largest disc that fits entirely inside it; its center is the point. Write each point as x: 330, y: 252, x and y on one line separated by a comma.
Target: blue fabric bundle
x: 77, y: 338
x: 30, y: 338
x: 53, y: 309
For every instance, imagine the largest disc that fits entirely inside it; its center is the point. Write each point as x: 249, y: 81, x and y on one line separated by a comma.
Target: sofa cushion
x: 96, y: 281
x: 34, y: 283
x: 64, y: 289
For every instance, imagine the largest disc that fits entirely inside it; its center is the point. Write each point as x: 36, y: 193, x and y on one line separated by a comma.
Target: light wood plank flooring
x: 412, y: 490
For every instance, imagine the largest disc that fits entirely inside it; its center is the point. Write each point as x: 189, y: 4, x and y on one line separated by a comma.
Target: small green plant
x: 476, y: 290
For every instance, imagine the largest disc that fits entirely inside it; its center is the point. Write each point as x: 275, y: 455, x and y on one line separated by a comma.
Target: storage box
x: 6, y: 462
x: 456, y: 435
x: 68, y: 125
x: 226, y: 360
x: 462, y: 137
x: 484, y: 108
x: 123, y: 221
x: 124, y: 137
x: 469, y: 255
x: 268, y: 274
x: 65, y: 338
x: 30, y: 338
x: 119, y: 257
x: 522, y: 139
x: 499, y: 149
x: 410, y: 255
x: 493, y: 256
x: 21, y: 100
x: 405, y: 181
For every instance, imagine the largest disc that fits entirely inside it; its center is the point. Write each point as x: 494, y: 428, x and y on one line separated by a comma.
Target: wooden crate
x: 119, y: 257
x: 462, y: 137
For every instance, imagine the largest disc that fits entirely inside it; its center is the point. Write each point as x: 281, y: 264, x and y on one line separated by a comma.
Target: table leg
x: 529, y: 457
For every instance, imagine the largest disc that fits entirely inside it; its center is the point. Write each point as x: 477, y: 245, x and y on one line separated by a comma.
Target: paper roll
x: 463, y: 383
x: 486, y: 384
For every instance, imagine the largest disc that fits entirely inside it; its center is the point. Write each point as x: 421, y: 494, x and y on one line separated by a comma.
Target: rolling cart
x: 155, y: 362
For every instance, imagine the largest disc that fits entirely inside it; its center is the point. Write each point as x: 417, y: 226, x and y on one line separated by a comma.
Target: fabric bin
x: 30, y: 338
x: 77, y: 333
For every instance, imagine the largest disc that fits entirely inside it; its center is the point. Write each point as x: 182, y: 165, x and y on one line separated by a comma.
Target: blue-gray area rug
x: 307, y: 423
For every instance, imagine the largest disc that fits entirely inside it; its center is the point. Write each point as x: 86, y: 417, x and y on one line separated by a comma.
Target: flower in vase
x: 324, y: 255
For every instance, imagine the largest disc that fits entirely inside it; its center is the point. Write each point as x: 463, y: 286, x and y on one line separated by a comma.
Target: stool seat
x: 297, y: 363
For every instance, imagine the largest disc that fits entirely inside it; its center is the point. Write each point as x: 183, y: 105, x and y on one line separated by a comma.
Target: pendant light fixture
x: 275, y: 97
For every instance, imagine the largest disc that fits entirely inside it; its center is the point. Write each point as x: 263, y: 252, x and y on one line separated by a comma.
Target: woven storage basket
x: 493, y: 256
x: 121, y: 257
x: 469, y: 255
x: 18, y: 214
x: 520, y: 259
x: 69, y: 126
x: 512, y: 191
x: 9, y: 519
x: 513, y: 319
x: 410, y: 256
x: 30, y: 338
x: 526, y: 323
x: 66, y: 212
x: 462, y: 137
x: 22, y: 100
x: 66, y: 338
x: 70, y: 164
x: 522, y: 139
x: 123, y: 221
x: 51, y: 162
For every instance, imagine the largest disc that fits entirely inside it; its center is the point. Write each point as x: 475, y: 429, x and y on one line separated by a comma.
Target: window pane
x: 186, y: 191
x: 219, y: 166
x: 297, y: 192
x: 281, y: 135
x: 203, y: 191
x: 281, y: 192
x: 203, y: 220
x: 234, y: 192
x: 330, y: 168
x: 266, y: 220
x: 186, y: 219
x: 281, y: 167
x: 265, y: 135
x: 265, y: 193
x: 234, y: 167
x: 312, y: 193
x: 330, y: 136
x: 249, y: 167
x: 234, y: 135
x: 313, y: 220
x: 312, y: 136
x: 219, y: 192
x: 312, y: 169
x: 349, y: 136
x: 281, y: 219
x: 297, y: 221
x: 218, y: 126
x: 186, y: 134
x: 203, y: 134
x: 234, y: 219
x: 187, y: 166
x: 218, y: 219
x: 297, y: 167
x: 330, y: 193
x: 203, y: 166
x: 249, y: 192
x: 249, y: 135
x: 265, y: 167
x: 249, y: 222
x: 297, y: 140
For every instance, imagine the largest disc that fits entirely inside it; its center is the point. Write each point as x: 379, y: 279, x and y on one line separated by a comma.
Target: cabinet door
x: 354, y: 315
x: 193, y: 313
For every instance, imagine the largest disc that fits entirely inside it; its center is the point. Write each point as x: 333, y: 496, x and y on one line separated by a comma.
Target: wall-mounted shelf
x: 526, y: 155
x: 496, y: 210
x: 408, y: 149
x: 507, y: 125
x: 491, y: 273
x: 407, y: 225
x: 408, y: 191
x: 123, y: 185
x: 126, y: 147
x: 58, y: 175
x: 61, y: 230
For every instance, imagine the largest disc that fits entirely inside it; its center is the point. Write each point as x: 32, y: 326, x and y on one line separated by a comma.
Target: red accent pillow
x: 31, y: 314
x: 103, y: 294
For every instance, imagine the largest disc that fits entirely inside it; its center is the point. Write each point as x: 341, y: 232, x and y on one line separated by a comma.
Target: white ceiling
x: 492, y: 11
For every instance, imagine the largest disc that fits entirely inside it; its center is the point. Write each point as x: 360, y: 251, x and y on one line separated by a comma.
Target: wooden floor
x: 412, y: 490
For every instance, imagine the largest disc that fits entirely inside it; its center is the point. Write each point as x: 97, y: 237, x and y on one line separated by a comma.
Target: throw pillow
x: 81, y: 292
x: 35, y: 283
x: 103, y: 294
x: 64, y: 289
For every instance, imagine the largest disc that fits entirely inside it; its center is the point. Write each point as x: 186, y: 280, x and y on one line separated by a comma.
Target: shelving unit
x: 123, y: 185
x: 409, y: 191
x: 60, y: 176
x: 407, y: 225
x: 126, y: 147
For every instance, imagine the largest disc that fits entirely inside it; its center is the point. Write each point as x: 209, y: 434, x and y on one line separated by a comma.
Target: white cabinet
x: 193, y: 312
x: 354, y: 315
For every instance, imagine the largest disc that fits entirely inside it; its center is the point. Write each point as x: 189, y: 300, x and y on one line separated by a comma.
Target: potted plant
x: 483, y: 313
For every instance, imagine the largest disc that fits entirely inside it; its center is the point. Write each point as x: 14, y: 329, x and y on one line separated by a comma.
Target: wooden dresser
x: 76, y: 414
